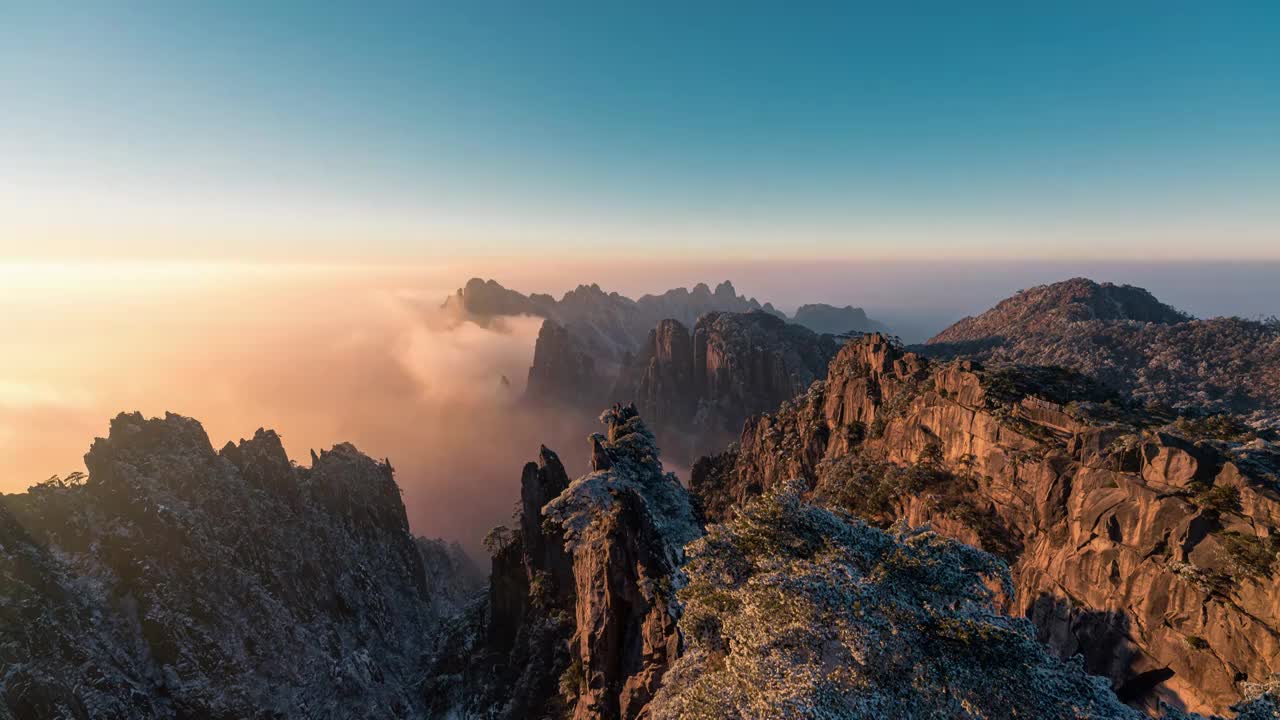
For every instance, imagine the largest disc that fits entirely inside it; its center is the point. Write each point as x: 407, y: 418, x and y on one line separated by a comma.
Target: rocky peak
x: 581, y: 611
x: 626, y: 525
x: 750, y: 362
x: 226, y: 585
x: 1069, y: 301
x: 823, y: 318
x: 1128, y: 340
x: 132, y: 438
x: 485, y: 299
x: 697, y: 388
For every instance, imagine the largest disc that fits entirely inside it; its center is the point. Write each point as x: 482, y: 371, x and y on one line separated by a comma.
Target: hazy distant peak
x: 1126, y: 338
x: 821, y: 317
x: 1075, y: 300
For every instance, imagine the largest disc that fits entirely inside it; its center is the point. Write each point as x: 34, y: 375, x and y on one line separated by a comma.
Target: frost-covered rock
x: 580, y: 618
x: 795, y: 612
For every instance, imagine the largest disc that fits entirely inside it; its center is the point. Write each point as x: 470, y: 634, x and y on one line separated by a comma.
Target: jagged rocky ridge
x: 1127, y: 339
x: 606, y: 326
x: 590, y: 339
x: 177, y: 581
x: 180, y: 582
x: 1145, y: 545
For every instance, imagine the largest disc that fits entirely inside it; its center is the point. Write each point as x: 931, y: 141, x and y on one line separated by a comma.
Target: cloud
x: 320, y: 357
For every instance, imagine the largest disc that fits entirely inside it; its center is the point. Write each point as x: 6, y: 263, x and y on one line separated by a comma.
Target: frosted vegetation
x: 796, y: 611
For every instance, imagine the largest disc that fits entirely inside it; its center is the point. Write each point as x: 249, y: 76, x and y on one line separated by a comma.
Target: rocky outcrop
x: 1127, y: 339
x: 795, y: 611
x: 562, y: 373
x: 505, y: 656
x: 626, y: 524
x: 1147, y: 548
x: 580, y: 618
x: 453, y: 577
x: 749, y: 363
x: 664, y: 382
x: 186, y: 582
x: 697, y: 388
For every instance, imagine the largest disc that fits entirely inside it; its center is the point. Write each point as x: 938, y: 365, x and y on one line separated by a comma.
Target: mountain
x: 177, y: 581
x: 1144, y: 542
x: 1127, y: 339
x: 181, y: 582
x: 610, y: 599
x: 823, y: 318
x: 1047, y: 306
x: 608, y: 328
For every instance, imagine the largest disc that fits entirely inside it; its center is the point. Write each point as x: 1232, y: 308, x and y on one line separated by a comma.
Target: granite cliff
x: 580, y: 619
x: 697, y: 388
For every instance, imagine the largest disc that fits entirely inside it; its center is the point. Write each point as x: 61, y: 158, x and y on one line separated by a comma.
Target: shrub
x: 1249, y: 556
x: 1217, y: 499
x: 793, y: 611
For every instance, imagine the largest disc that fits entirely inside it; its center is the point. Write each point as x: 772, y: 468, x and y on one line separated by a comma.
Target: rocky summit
x: 1125, y: 338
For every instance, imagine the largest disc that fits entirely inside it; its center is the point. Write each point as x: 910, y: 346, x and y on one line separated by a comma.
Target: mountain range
x: 1032, y: 515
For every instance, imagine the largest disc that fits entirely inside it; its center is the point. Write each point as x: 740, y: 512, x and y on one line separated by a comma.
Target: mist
x: 320, y: 356
x: 325, y: 355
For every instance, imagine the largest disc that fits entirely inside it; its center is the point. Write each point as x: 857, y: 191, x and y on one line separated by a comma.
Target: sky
x: 391, y: 133
x: 249, y: 213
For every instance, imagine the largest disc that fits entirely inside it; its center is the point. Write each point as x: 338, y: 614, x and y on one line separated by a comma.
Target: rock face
x: 1146, y: 546
x: 562, y: 373
x: 454, y: 578
x: 182, y: 582
x: 580, y: 620
x: 1129, y: 340
x: 664, y: 382
x: 699, y: 388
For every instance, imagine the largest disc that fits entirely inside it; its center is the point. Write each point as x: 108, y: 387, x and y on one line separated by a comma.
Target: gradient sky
x: 391, y: 132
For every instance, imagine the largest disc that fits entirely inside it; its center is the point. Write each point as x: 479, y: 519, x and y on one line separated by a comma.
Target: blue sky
x: 414, y: 131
